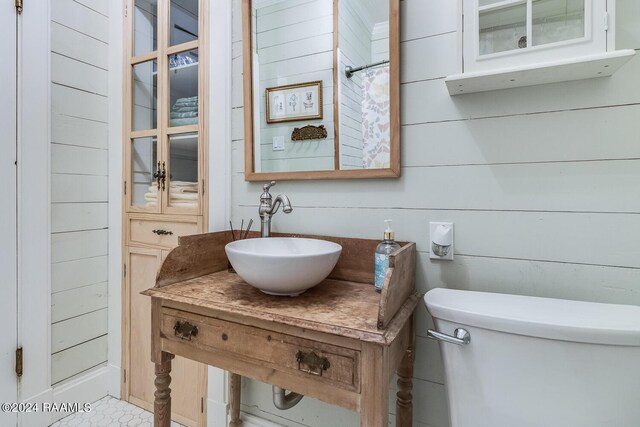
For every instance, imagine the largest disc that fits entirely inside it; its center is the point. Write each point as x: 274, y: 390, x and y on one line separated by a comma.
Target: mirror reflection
x: 363, y: 61
x: 321, y: 85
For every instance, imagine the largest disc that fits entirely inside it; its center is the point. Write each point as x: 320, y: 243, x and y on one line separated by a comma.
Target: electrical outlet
x: 278, y: 143
x: 441, y: 240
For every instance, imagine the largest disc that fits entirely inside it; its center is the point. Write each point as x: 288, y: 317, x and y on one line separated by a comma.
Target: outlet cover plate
x: 432, y: 230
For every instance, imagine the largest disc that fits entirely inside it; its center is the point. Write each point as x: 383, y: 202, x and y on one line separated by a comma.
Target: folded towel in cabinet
x: 184, y: 109
x: 176, y: 184
x: 182, y: 204
x: 184, y: 184
x: 174, y: 194
x: 174, y: 204
x: 189, y: 100
x: 194, y: 189
x: 182, y: 196
x: 184, y: 115
x: 183, y: 122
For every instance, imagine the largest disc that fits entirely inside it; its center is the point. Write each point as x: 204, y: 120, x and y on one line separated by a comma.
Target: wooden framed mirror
x: 321, y: 85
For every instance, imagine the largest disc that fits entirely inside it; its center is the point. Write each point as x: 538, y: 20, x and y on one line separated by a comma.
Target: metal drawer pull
x: 185, y: 330
x: 162, y: 232
x: 461, y: 336
x: 315, y: 363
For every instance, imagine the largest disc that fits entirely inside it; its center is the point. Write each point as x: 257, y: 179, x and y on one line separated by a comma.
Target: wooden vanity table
x: 340, y: 342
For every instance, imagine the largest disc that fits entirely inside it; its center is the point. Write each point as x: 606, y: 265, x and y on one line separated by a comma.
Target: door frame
x: 34, y: 208
x: 8, y: 213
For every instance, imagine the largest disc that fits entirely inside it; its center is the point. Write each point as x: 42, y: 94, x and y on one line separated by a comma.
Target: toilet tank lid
x: 558, y: 319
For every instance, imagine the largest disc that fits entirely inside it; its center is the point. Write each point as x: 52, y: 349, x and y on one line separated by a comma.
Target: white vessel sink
x: 283, y: 265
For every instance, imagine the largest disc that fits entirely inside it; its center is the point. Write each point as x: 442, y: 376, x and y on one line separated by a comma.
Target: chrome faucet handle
x: 265, y: 197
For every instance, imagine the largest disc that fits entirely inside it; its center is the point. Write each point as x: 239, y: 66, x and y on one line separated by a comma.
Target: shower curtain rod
x: 349, y: 70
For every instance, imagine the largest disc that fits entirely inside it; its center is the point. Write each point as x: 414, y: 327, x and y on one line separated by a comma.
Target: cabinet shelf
x: 180, y: 67
x: 586, y: 67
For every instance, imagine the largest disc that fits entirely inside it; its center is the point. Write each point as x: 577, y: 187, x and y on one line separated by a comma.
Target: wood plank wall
x: 354, y: 42
x: 79, y: 170
x: 541, y: 183
x: 296, y: 36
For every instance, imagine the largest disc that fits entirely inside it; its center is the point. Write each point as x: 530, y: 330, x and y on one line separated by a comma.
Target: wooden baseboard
x: 174, y: 417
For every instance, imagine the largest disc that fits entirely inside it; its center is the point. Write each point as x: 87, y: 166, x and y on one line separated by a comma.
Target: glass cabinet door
x: 183, y: 88
x: 502, y: 34
x: 182, y: 108
x: 183, y: 21
x: 555, y: 21
x: 165, y: 144
x: 183, y: 191
x: 144, y: 163
x: 145, y: 26
x: 145, y: 95
x: 522, y: 24
x: 146, y: 169
x: 503, y: 28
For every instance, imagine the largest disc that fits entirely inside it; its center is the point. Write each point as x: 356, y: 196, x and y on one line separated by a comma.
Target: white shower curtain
x: 376, y: 133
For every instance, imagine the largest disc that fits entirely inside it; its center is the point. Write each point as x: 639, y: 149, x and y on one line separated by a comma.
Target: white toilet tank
x: 538, y: 362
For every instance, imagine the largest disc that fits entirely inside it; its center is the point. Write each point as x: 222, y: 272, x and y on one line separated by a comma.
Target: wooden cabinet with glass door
x: 165, y: 100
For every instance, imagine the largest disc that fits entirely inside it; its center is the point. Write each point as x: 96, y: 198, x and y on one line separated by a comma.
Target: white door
x: 8, y: 203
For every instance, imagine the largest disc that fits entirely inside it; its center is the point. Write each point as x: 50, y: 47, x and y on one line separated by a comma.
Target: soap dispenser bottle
x: 384, y: 248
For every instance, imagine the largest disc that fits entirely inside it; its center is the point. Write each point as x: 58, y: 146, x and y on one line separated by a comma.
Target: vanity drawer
x: 337, y: 366
x: 153, y: 232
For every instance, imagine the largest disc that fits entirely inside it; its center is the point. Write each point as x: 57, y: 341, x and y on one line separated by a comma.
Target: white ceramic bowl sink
x: 283, y: 265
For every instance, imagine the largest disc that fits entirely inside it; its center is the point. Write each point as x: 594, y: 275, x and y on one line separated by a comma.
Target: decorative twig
x: 246, y: 233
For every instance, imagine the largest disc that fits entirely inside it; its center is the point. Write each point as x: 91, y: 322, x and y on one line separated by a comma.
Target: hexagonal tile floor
x: 110, y: 412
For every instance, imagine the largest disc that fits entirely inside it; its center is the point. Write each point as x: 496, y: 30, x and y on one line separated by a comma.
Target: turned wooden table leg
x: 404, y: 398
x: 235, y: 389
x: 162, y: 402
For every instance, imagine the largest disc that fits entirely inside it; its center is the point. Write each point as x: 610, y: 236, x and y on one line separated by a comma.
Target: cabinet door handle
x: 157, y: 175
x: 185, y: 330
x: 163, y: 175
x: 162, y: 232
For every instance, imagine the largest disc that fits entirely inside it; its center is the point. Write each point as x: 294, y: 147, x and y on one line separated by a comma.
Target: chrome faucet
x: 268, y: 209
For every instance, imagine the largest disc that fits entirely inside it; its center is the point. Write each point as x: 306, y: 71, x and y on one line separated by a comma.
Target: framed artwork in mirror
x: 321, y: 95
x: 290, y: 103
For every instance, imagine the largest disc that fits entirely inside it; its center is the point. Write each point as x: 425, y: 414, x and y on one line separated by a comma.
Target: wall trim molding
x: 113, y: 380
x: 115, y: 196
x: 220, y: 87
x: 87, y: 388
x: 249, y: 420
x: 219, y: 185
x: 37, y: 419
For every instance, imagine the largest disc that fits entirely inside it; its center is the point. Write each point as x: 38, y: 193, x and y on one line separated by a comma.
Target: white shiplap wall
x: 380, y: 42
x: 354, y: 42
x: 79, y: 168
x: 541, y: 183
x: 296, y: 36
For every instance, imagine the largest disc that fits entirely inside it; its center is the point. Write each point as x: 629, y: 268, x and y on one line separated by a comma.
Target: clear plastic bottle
x: 384, y: 248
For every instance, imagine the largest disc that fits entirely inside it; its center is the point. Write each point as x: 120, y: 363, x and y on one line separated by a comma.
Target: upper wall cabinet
x: 500, y: 33
x: 509, y: 43
x: 321, y: 89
